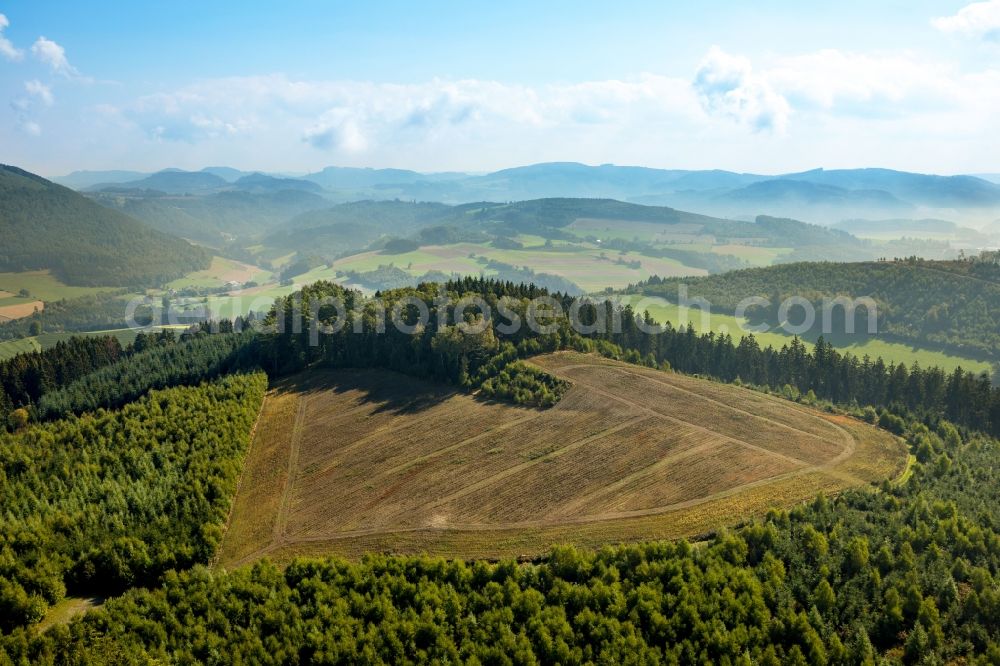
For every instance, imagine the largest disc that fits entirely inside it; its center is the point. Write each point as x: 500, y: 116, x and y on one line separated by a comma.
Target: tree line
x: 368, y: 337
x: 444, y: 353
x: 27, y: 377
x: 97, y: 312
x: 950, y: 304
x: 194, y: 359
x: 24, y: 378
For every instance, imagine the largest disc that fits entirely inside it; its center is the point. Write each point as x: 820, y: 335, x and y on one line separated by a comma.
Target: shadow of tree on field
x: 388, y: 391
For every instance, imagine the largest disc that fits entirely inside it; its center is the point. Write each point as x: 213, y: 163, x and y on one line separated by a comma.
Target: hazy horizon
x: 431, y: 172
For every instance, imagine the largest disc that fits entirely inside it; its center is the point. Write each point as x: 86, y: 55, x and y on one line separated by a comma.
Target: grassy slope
x: 663, y: 311
x: 9, y: 348
x: 584, y: 267
x: 944, y: 305
x: 220, y: 272
x: 42, y: 285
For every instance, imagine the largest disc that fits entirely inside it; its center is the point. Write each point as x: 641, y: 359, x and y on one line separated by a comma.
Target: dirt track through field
x: 374, y: 457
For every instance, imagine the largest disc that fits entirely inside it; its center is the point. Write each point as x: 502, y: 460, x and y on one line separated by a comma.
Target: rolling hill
x: 258, y: 182
x: 80, y: 180
x: 950, y: 304
x: 174, y: 181
x: 958, y: 237
x: 351, y: 226
x: 917, y: 188
x: 354, y: 226
x: 546, y: 217
x: 48, y: 226
x: 341, y: 178
x: 628, y: 453
x: 765, y: 192
x: 216, y: 217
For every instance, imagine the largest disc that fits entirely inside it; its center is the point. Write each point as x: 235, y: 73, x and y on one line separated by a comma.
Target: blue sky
x: 767, y: 86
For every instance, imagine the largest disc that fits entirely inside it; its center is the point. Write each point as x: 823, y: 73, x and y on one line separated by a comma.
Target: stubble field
x: 349, y: 461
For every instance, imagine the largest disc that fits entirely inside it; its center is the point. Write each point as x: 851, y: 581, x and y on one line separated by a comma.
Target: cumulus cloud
x: 40, y: 91
x: 52, y: 54
x: 354, y: 117
x: 838, y: 97
x: 8, y: 50
x: 726, y: 93
x: 729, y: 86
x: 336, y: 130
x: 980, y: 20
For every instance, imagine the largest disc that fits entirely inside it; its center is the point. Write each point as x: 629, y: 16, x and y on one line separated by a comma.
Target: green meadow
x: 590, y: 268
x: 43, y: 286
x: 10, y: 348
x: 663, y: 311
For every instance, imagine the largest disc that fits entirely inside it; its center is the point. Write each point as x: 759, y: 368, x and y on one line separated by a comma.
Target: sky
x: 767, y: 87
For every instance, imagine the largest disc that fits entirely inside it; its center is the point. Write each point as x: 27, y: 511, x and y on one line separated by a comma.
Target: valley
x: 570, y: 245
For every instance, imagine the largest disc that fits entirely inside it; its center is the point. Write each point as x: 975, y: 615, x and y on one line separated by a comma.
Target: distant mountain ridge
x: 176, y: 182
x: 820, y: 195
x: 81, y: 180
x: 262, y: 182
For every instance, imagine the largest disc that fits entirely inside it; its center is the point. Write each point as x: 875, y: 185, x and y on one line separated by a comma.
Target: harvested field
x: 584, y: 266
x: 355, y: 460
x: 20, y: 310
x: 221, y: 272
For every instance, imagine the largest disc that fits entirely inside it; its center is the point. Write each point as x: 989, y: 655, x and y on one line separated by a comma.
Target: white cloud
x: 980, y: 19
x: 824, y: 107
x: 25, y: 107
x: 355, y: 117
x: 31, y: 127
x: 53, y: 55
x: 36, y: 88
x: 8, y: 50
x: 729, y: 86
x: 336, y: 130
x: 865, y: 84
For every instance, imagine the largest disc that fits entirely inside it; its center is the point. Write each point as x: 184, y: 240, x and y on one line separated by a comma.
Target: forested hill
x: 949, y: 303
x: 47, y: 226
x: 359, y: 222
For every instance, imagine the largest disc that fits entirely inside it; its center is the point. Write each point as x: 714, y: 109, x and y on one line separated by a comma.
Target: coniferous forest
x: 120, y: 464
x: 113, y: 499
x: 47, y: 226
x: 338, y: 334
